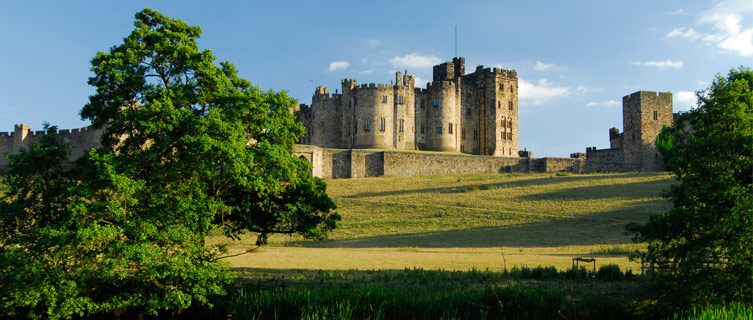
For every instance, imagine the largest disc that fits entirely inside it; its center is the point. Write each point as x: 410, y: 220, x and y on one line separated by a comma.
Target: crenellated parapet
x: 79, y: 139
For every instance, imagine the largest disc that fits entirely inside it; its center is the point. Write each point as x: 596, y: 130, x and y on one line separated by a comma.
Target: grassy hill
x: 466, y: 221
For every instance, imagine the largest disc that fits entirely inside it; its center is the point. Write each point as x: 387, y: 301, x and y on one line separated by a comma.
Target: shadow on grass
x: 601, y: 228
x: 643, y: 189
x: 485, y: 186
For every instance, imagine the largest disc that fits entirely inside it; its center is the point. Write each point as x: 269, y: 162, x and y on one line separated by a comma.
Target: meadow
x: 461, y: 222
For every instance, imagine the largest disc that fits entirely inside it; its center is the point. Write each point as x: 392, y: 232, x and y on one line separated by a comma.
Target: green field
x: 460, y: 222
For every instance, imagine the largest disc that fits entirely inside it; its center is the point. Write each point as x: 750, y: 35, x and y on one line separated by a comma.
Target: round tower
x: 442, y: 116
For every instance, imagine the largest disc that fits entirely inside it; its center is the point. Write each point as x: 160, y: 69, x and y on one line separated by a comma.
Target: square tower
x: 644, y: 114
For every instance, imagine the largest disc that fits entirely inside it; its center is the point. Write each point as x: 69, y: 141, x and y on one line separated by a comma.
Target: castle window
x: 509, y: 136
x: 499, y: 104
x: 384, y: 99
x: 656, y: 115
x: 381, y: 124
x: 367, y: 125
x: 501, y: 86
x: 475, y: 136
x: 439, y: 128
x: 436, y: 102
x: 400, y: 100
x: 449, y: 129
x: 468, y: 111
x: 510, y: 89
x: 510, y: 105
x: 509, y: 124
x: 503, y: 123
x: 504, y: 135
x: 462, y: 134
x: 422, y: 129
x: 400, y: 123
x: 462, y: 148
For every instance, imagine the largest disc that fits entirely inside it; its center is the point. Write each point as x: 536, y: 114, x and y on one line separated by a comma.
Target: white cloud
x: 540, y: 66
x: 367, y: 71
x: 659, y: 64
x: 420, y: 82
x: 540, y: 92
x: 606, y: 103
x: 338, y: 65
x: 683, y: 33
x: 683, y: 100
x: 414, y: 60
x: 733, y: 23
x: 678, y: 12
x: 373, y: 42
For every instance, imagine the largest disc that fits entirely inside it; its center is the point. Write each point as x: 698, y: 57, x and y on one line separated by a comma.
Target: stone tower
x: 644, y: 114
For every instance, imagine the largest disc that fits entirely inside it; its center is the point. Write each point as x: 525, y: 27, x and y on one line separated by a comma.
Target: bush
x: 610, y: 272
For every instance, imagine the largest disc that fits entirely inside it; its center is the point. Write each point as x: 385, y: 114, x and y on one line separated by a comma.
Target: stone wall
x: 80, y: 140
x: 605, y: 155
x: 361, y: 163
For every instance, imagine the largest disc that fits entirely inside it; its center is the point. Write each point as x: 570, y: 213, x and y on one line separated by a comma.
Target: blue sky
x: 575, y: 59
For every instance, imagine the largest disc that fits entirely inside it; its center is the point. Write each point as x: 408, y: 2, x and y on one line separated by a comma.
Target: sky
x: 575, y: 60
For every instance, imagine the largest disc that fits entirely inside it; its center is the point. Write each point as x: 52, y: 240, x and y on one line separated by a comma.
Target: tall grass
x: 431, y: 294
x: 732, y: 311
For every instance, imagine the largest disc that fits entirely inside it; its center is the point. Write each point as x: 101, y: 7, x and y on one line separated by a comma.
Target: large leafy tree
x: 189, y: 147
x: 704, y: 244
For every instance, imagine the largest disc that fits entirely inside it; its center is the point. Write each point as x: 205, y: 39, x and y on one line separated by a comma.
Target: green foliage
x: 702, y: 246
x: 189, y: 147
x: 732, y: 311
x: 563, y: 174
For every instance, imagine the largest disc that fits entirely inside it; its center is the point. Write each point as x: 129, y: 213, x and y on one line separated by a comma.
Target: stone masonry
x: 644, y: 114
x: 474, y: 113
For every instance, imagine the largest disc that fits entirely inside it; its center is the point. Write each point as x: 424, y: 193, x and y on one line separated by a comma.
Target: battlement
x: 648, y: 94
x: 441, y: 84
x: 509, y: 74
x: 614, y: 133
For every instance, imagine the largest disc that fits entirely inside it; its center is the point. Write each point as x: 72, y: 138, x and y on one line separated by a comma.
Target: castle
x: 475, y: 113
x: 371, y: 130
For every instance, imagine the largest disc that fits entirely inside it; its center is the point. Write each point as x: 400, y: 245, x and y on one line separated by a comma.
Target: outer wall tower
x: 644, y: 114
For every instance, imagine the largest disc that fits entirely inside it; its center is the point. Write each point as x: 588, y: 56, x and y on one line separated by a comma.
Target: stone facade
x: 644, y: 114
x: 474, y: 113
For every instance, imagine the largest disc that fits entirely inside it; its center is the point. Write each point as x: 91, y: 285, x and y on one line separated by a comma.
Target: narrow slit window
x: 381, y: 124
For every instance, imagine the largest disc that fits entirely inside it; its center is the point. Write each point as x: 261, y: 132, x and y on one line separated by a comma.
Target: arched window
x: 381, y: 124
x: 510, y: 104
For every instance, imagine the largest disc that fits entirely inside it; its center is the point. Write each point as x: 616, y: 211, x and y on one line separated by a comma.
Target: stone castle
x: 373, y: 130
x: 475, y: 113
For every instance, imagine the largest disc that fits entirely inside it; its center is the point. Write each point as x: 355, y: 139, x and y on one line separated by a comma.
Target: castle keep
x: 475, y: 113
